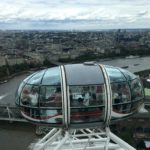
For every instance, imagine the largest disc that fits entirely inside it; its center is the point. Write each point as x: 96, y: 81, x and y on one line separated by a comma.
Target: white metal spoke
x: 82, y: 139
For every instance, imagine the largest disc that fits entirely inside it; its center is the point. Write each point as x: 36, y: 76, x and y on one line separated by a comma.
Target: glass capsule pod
x: 79, y: 95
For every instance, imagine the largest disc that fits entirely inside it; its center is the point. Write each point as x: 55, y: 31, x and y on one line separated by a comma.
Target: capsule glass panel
x: 80, y: 74
x: 87, y: 103
x: 36, y: 78
x: 18, y: 92
x: 127, y: 92
x: 87, y: 94
x: 114, y: 74
x: 41, y: 97
x: 52, y: 77
x: 137, y: 94
x: 121, y: 97
x: 127, y: 74
x: 52, y: 116
x: 29, y: 95
x: 91, y: 95
x: 136, y: 90
x: 27, y: 78
x: 50, y: 96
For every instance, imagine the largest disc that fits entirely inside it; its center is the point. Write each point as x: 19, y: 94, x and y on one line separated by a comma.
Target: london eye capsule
x: 79, y: 95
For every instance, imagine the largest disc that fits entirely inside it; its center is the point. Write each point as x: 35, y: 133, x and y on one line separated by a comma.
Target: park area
x: 147, y: 92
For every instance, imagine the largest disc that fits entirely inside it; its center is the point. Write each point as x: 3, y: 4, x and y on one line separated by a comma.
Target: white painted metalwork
x: 68, y: 94
x: 108, y: 102
x: 64, y: 93
x: 82, y: 139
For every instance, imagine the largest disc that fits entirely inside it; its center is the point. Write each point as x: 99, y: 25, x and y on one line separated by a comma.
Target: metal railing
x: 10, y: 113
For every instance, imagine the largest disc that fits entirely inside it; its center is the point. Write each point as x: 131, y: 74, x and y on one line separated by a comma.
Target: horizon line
x: 74, y: 29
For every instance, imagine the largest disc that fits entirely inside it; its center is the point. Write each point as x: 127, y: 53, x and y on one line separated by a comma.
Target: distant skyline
x: 74, y: 14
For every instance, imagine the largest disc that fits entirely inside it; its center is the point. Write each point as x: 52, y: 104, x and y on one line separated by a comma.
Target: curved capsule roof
x: 79, y: 95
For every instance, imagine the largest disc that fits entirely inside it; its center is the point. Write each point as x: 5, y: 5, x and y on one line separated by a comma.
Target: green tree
x: 141, y: 145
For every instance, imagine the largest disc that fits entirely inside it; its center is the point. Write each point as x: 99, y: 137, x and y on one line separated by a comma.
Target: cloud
x: 91, y: 12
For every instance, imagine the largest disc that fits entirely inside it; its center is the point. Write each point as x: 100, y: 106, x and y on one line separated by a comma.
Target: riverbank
x: 7, y: 78
x: 144, y: 73
x: 135, y: 63
x: 138, y: 65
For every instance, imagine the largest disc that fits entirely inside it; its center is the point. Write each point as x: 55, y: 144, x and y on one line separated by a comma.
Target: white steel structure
x: 82, y: 139
x: 78, y: 101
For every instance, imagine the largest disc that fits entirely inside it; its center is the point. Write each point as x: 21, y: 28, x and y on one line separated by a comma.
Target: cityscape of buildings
x: 20, y: 46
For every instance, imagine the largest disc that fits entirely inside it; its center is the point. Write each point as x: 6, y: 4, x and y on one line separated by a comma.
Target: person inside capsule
x: 30, y: 97
x: 121, y: 95
x: 50, y: 96
x: 86, y: 102
x: 55, y: 99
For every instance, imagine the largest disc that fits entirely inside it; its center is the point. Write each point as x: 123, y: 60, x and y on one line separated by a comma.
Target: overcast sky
x: 74, y: 14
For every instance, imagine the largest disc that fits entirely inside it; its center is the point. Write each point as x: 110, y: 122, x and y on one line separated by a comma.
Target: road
x: 8, y: 90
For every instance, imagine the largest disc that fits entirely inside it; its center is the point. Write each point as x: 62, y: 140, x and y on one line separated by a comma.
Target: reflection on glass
x: 114, y: 74
x: 91, y: 95
x: 18, y: 92
x: 51, y: 116
x: 128, y: 75
x: 85, y: 115
x: 137, y: 94
x: 52, y: 76
x: 36, y: 79
x: 81, y: 74
x: 27, y: 78
x: 135, y: 105
x: 87, y: 103
x: 120, y: 92
x: 29, y: 95
x: 122, y: 108
x: 43, y: 115
x: 136, y: 90
x: 50, y: 96
x: 121, y: 97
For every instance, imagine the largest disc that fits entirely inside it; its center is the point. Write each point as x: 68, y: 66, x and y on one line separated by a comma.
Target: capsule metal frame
x: 108, y: 109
